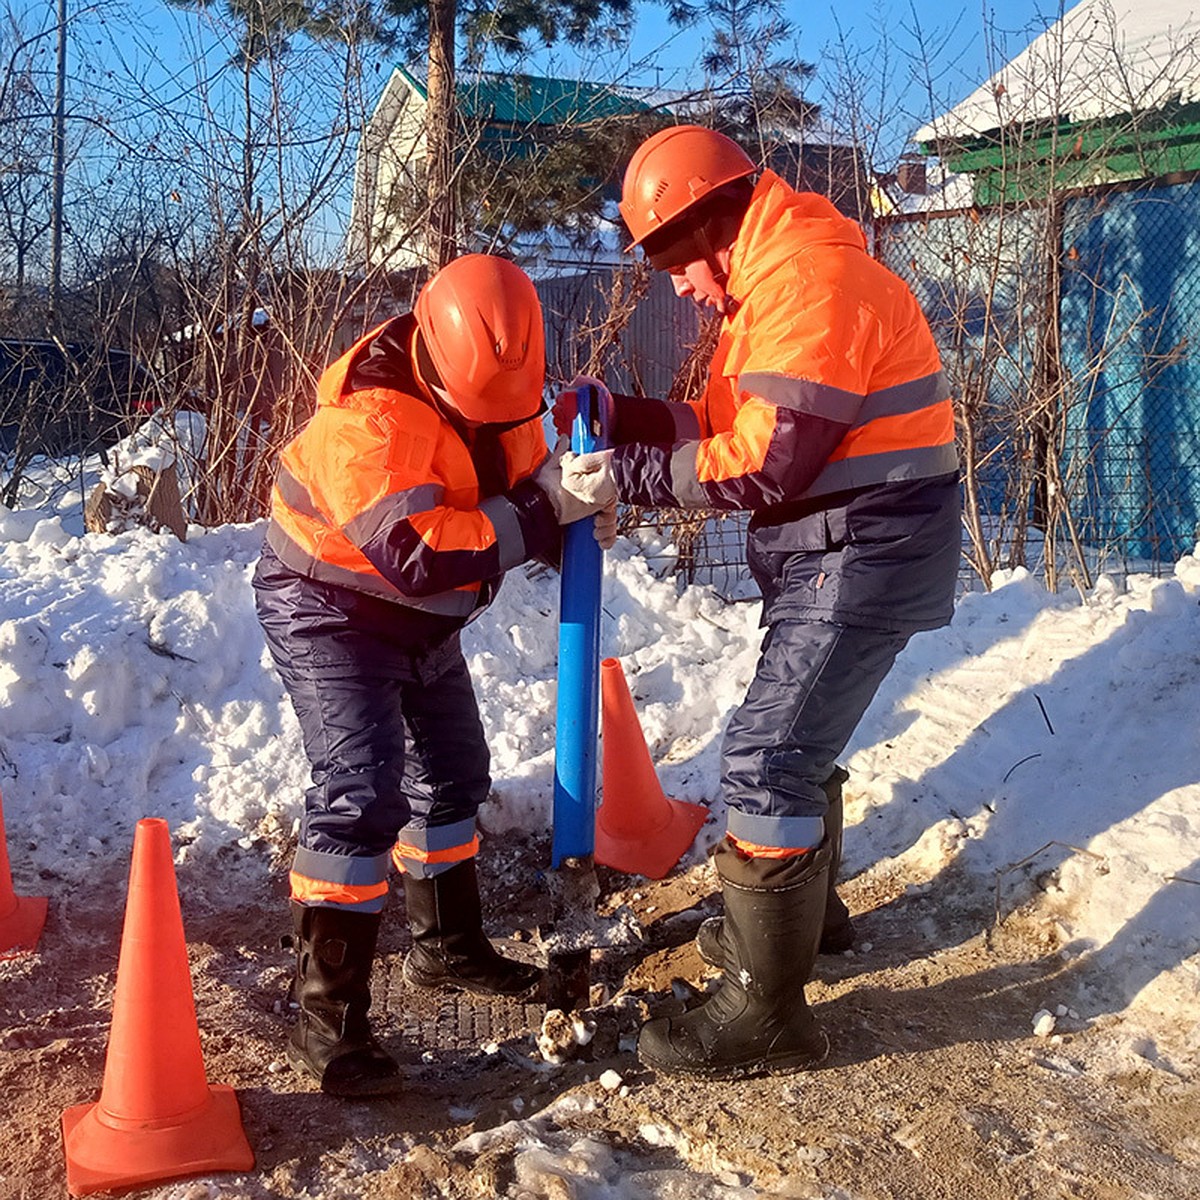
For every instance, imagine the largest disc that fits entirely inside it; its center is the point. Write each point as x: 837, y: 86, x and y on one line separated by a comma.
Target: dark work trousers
x: 397, y: 751
x: 813, y: 683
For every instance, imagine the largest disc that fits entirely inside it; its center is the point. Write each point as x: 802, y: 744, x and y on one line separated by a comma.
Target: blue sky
x: 932, y: 52
x: 907, y: 57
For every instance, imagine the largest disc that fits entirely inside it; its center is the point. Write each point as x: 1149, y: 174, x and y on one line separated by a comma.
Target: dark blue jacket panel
x: 324, y: 624
x: 884, y: 557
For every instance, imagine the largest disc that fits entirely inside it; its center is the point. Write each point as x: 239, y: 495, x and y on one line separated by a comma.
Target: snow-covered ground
x: 1058, y: 729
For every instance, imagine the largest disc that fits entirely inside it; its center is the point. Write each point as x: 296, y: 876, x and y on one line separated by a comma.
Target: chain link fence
x: 1065, y: 326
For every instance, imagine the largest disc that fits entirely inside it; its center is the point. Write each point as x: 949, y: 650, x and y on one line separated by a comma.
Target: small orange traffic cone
x: 157, y: 1117
x: 638, y: 829
x: 21, y: 917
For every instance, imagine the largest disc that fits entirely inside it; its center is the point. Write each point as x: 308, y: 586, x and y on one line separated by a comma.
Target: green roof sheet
x: 535, y: 100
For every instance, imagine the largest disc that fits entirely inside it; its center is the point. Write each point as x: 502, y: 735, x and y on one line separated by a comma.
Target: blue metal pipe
x: 578, y: 709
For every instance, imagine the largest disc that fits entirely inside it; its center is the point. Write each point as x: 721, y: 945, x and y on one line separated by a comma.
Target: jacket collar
x: 780, y: 223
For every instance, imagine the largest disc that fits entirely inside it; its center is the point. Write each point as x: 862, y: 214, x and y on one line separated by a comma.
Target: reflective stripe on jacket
x: 824, y: 338
x: 383, y: 493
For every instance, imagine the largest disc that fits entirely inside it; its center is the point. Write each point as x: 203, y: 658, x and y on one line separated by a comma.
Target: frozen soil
x: 936, y: 1084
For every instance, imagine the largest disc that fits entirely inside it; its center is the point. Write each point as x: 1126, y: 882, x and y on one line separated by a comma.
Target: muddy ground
x: 936, y: 1085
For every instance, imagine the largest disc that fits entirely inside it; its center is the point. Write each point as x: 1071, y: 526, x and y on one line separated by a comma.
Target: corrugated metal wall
x: 640, y: 358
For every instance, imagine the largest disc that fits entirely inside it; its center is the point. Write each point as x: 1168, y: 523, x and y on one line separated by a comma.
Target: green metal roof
x: 534, y: 100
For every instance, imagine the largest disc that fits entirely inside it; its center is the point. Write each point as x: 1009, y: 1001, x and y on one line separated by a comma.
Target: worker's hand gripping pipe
x: 573, y: 878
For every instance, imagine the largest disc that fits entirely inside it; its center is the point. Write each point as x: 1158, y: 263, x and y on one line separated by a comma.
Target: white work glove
x: 568, y: 508
x: 604, y: 527
x: 590, y: 477
x: 566, y: 405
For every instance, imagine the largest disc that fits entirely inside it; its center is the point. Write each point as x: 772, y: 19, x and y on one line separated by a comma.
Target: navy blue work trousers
x: 814, y: 681
x: 399, y: 760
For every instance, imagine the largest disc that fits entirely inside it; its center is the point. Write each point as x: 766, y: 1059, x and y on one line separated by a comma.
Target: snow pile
x: 1041, y: 746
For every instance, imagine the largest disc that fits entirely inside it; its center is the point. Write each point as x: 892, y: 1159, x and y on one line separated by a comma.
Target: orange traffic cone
x: 157, y: 1118
x: 21, y: 917
x: 638, y: 829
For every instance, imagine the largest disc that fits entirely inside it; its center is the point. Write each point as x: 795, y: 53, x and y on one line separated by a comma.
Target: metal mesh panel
x: 1131, y: 284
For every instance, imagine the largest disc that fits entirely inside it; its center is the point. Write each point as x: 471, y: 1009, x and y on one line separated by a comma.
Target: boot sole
x: 787, y: 1064
x: 386, y: 1085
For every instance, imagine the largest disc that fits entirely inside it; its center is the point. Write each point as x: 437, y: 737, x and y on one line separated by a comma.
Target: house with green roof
x: 503, y: 120
x: 1108, y: 93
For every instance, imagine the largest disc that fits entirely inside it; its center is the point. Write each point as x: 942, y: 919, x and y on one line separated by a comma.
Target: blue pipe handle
x: 578, y: 709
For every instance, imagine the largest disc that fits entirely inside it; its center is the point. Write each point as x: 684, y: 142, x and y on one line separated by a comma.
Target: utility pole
x: 59, y: 151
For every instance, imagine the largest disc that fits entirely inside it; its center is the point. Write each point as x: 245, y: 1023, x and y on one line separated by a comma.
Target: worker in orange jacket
x: 421, y: 478
x: 827, y: 416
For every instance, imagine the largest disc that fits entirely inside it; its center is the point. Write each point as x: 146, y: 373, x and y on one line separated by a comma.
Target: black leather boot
x: 758, y: 1021
x: 837, y: 933
x: 332, y: 1040
x: 450, y: 949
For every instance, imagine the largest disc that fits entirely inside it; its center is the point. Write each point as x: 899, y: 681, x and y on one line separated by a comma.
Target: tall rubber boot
x: 450, y: 949
x: 837, y: 933
x: 758, y: 1021
x: 332, y: 1041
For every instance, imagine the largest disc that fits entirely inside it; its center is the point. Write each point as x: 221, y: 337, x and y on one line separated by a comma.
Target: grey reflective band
x: 890, y: 466
x: 350, y: 869
x: 803, y: 395
x: 848, y: 408
x: 777, y: 833
x: 510, y: 540
x: 396, y: 506
x: 446, y: 604
x: 905, y: 398
x: 295, y: 495
x: 685, y: 483
x: 431, y: 838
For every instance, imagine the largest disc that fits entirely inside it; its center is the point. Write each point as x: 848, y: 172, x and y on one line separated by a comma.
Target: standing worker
x: 827, y: 416
x: 422, y: 477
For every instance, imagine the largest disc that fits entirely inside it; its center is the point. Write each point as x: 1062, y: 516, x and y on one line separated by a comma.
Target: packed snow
x: 1042, y: 746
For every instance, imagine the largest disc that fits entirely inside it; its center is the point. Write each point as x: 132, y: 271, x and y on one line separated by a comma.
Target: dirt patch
x: 936, y: 1085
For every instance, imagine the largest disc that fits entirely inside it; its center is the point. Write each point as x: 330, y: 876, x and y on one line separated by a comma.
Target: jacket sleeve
x: 772, y: 454
x: 414, y: 537
x: 800, y: 363
x: 642, y: 419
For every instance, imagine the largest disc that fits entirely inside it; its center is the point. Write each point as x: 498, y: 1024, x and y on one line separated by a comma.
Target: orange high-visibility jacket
x: 382, y: 493
x: 821, y: 331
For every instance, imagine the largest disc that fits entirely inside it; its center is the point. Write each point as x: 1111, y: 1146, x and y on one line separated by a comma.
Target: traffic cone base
x: 21, y: 928
x: 157, y: 1118
x: 104, y: 1157
x: 21, y: 917
x: 638, y: 829
x: 651, y: 856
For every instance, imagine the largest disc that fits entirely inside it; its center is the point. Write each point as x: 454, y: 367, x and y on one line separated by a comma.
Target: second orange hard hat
x: 674, y: 170
x: 482, y: 324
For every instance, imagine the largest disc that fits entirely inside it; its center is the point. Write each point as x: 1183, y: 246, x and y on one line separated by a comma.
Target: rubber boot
x: 450, y: 949
x: 332, y: 1040
x: 837, y: 933
x: 758, y: 1021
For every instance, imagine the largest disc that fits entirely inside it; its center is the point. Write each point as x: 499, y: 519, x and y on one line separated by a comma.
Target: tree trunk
x: 439, y: 133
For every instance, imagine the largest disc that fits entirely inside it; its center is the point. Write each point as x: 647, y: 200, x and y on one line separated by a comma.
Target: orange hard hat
x: 482, y: 326
x: 675, y: 169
